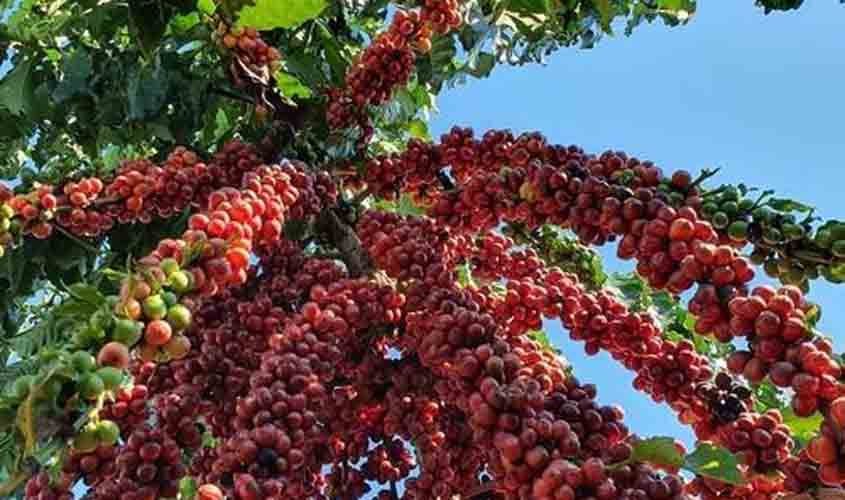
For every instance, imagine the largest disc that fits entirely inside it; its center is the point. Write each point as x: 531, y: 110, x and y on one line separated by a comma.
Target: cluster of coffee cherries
x: 601, y: 199
x: 140, y: 191
x: 94, y: 466
x: 516, y: 399
x: 36, y: 209
x: 414, y: 169
x: 6, y: 216
x: 383, y: 66
x: 668, y: 371
x: 442, y: 15
x: 41, y: 486
x: 762, y: 442
x: 149, y: 465
x: 129, y: 408
x: 781, y: 347
x: 388, y: 62
x: 251, y: 56
x: 726, y: 399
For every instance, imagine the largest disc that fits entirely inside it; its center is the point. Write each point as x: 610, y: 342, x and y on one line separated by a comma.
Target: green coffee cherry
x: 87, y: 440
x: 772, y: 236
x: 83, y: 361
x: 127, y: 331
x: 155, y: 307
x: 170, y: 298
x: 721, y: 220
x: 52, y: 389
x: 762, y: 215
x: 179, y: 317
x: 828, y: 273
x: 730, y: 194
x: 838, y: 249
x: 794, y: 276
x: 107, y: 432
x: 22, y: 386
x: 730, y: 207
x: 111, y: 377
x: 169, y: 266
x: 793, y: 231
x: 838, y: 231
x: 709, y: 209
x: 180, y: 281
x: 91, y: 386
x: 770, y: 267
x: 738, y: 231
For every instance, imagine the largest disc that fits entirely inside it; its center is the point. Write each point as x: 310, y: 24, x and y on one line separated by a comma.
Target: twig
x: 343, y: 237
x: 328, y: 255
x: 360, y: 197
x: 445, y: 180
x: 757, y: 203
x: 705, y: 174
x: 231, y: 95
x: 76, y: 240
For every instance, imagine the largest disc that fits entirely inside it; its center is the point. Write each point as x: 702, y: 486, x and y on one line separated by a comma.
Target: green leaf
x: 787, y: 205
x: 465, y: 275
x: 408, y: 207
x: 605, y: 10
x: 147, y: 93
x: 16, y: 92
x: 222, y: 125
x: 86, y: 293
x: 404, y: 206
x: 659, y: 451
x: 273, y: 14
x: 14, y: 24
x: 768, y: 397
x: 814, y: 315
x: 290, y: 86
x: 419, y: 129
x: 148, y: 22
x: 207, y: 7
x: 483, y: 65
x: 183, y: 24
x: 529, y: 6
x: 803, y: 428
x: 714, y: 462
x: 77, y: 70
x: 541, y: 338
x: 187, y: 488
x: 680, y: 8
x: 443, y: 51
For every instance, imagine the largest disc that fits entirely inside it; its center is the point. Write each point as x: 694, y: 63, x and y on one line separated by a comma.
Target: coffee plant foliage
x: 236, y: 263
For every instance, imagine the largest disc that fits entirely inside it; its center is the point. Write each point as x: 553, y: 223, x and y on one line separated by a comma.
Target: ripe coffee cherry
x: 822, y: 450
x: 158, y: 333
x: 837, y: 412
x: 114, y: 354
x: 209, y: 492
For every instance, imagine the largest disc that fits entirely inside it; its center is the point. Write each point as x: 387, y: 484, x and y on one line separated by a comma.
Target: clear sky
x: 760, y: 96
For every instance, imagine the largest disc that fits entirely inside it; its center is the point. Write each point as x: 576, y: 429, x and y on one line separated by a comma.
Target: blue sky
x: 760, y: 96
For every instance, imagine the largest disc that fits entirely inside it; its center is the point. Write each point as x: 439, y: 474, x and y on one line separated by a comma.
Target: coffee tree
x: 236, y: 265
